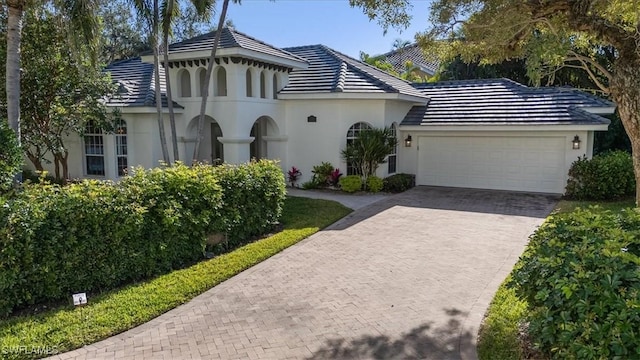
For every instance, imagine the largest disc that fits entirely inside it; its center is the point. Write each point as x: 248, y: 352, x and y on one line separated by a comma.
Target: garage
x: 518, y: 163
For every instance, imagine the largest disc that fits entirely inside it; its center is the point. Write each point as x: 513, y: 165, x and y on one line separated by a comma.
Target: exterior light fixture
x: 312, y: 118
x: 407, y: 141
x: 575, y: 144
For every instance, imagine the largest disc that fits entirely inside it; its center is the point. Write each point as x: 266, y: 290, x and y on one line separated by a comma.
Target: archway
x: 211, y: 149
x: 263, y: 129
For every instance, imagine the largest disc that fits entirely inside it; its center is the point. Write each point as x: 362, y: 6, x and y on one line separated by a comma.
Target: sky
x: 334, y: 23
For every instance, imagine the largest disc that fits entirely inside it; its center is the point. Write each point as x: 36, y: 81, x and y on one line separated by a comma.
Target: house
x: 302, y: 104
x: 423, y: 66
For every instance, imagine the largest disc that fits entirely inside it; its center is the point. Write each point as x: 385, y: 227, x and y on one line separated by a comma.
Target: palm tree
x: 369, y: 150
x: 82, y: 24
x: 170, y: 11
x: 207, y: 76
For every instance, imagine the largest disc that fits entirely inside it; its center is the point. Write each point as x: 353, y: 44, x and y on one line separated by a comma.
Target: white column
x: 236, y: 150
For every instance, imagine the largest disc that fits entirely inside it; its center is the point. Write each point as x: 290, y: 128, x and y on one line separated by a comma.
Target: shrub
x: 334, y: 178
x: 580, y: 278
x: 93, y: 236
x: 351, y: 183
x: 374, y: 184
x: 310, y: 185
x: 293, y: 175
x: 322, y: 174
x: 399, y: 183
x: 10, y: 155
x: 604, y: 177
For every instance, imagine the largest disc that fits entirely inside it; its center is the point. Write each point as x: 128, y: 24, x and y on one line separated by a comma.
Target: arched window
x: 93, y: 150
x: 202, y: 76
x: 249, y: 84
x: 221, y: 82
x: 263, y: 89
x: 392, y: 158
x: 352, y: 134
x: 185, y: 83
x: 121, y: 147
x: 275, y: 86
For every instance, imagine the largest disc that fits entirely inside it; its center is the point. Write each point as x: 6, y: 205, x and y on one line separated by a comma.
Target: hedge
x: 93, y: 236
x: 581, y: 278
x: 607, y: 176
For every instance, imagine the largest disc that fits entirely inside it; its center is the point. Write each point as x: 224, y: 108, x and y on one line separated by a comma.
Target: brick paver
x: 408, y: 277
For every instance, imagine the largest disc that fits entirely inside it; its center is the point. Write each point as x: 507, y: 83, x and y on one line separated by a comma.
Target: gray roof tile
x: 503, y: 102
x: 330, y: 71
x: 136, y: 84
x: 230, y: 38
x: 398, y: 58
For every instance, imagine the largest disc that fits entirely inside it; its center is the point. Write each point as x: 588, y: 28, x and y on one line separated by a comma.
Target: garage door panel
x: 498, y: 162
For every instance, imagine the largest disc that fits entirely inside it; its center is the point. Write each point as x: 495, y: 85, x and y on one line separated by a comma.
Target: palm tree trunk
x: 207, y: 77
x: 167, y: 80
x: 12, y: 82
x: 156, y: 66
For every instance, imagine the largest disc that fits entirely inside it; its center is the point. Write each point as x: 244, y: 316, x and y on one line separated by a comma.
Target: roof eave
x: 142, y: 109
x: 600, y: 110
x: 234, y: 51
x: 353, y: 95
x: 502, y: 127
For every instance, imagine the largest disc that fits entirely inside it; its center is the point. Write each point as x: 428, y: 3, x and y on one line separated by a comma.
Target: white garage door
x: 534, y: 164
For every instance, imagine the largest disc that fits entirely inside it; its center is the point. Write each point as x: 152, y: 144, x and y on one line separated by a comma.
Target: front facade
x: 301, y: 105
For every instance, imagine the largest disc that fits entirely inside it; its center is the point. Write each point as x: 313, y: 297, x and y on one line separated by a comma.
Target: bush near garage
x: 604, y: 177
x: 374, y: 184
x: 581, y: 278
x: 399, y: 183
x: 93, y: 236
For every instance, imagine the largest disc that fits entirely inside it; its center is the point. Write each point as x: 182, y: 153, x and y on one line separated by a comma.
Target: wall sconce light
x: 407, y: 141
x: 575, y: 144
x: 312, y: 118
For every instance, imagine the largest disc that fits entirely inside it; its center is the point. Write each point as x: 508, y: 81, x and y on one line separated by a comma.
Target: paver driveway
x: 407, y: 277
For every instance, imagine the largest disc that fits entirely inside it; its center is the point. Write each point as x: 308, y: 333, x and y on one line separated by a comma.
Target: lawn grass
x: 113, y: 312
x: 499, y: 338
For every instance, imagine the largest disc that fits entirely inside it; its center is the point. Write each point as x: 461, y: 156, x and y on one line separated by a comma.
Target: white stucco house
x: 301, y: 104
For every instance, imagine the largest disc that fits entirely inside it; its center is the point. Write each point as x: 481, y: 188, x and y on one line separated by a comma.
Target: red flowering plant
x: 294, y: 174
x: 334, y: 177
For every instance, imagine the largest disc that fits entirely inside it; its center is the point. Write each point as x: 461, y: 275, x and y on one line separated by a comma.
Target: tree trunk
x: 156, y: 65
x: 625, y: 91
x: 35, y: 160
x: 167, y: 80
x: 207, y: 77
x: 12, y: 81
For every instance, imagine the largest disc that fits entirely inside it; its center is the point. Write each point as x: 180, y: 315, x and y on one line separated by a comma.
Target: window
x: 352, y: 134
x: 185, y: 83
x: 221, y: 82
x: 392, y: 158
x: 249, y: 84
x: 121, y: 148
x: 94, y: 150
x: 202, y: 76
x: 263, y: 90
x: 275, y: 86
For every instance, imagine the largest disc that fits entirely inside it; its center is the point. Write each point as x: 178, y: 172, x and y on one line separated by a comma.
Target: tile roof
x: 330, y: 71
x: 503, y: 102
x: 136, y: 84
x: 413, y: 53
x: 230, y: 38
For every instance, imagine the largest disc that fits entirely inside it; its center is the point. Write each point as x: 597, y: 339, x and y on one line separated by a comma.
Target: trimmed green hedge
x: 93, y: 236
x: 399, y: 182
x: 607, y: 176
x: 351, y: 183
x: 580, y: 276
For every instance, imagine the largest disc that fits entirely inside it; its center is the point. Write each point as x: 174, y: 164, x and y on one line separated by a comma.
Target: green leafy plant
x: 351, y: 183
x: 322, y: 174
x: 604, y: 177
x: 374, y: 184
x: 399, y: 182
x: 579, y: 276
